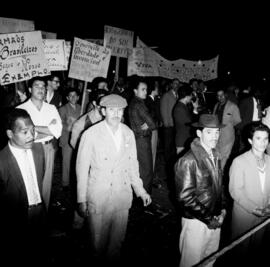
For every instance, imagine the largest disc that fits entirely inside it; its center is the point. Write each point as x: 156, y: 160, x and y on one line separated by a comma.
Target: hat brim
x: 199, y: 125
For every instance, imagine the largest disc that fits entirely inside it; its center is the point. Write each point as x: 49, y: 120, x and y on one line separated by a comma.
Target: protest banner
x: 95, y: 41
x: 67, y: 51
x: 147, y: 62
x: 22, y: 57
x: 9, y: 25
x: 120, y: 41
x: 142, y: 62
x: 48, y: 35
x: 55, y: 53
x: 88, y: 60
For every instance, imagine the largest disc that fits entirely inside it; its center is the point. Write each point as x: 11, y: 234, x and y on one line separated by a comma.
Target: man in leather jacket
x: 198, y: 178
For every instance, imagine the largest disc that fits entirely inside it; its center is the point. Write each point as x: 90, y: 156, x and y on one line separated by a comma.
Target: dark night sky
x: 239, y: 35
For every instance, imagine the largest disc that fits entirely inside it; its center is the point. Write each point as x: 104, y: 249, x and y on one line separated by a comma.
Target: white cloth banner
x: 147, y: 62
x: 55, y: 54
x: 22, y: 57
x: 88, y: 60
x: 120, y: 41
x: 8, y: 25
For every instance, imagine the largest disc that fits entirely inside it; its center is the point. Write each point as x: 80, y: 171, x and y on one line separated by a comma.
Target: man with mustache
x: 48, y: 124
x: 23, y: 213
x: 107, y: 171
x: 198, y: 178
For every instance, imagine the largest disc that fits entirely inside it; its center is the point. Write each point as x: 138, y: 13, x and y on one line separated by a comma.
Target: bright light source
x: 228, y: 72
x: 113, y: 71
x: 264, y: 79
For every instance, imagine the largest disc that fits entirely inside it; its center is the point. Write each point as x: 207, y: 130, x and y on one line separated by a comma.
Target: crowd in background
x: 160, y: 112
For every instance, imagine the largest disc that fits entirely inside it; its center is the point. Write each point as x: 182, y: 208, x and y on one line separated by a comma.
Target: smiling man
x: 198, y: 178
x: 21, y: 175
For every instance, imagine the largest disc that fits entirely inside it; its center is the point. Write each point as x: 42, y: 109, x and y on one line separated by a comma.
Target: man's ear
x: 30, y: 90
x: 199, y: 133
x: 9, y: 134
x: 250, y: 141
x: 103, y: 111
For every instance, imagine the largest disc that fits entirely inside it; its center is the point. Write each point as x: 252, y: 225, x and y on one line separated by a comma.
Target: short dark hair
x: 37, y: 78
x: 134, y: 83
x: 185, y: 90
x: 256, y: 126
x: 13, y: 115
x: 72, y: 89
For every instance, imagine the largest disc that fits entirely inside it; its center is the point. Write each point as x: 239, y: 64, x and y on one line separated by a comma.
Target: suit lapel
x: 255, y: 174
x: 15, y: 171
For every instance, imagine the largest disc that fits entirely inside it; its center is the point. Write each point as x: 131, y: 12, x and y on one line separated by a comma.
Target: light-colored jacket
x: 245, y: 189
x: 105, y: 177
x: 231, y: 117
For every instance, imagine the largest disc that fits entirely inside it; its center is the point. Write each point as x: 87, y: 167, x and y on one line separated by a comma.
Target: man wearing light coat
x: 107, y: 171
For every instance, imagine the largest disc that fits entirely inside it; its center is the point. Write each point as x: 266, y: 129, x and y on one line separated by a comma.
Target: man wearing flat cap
x: 107, y: 171
x: 198, y: 178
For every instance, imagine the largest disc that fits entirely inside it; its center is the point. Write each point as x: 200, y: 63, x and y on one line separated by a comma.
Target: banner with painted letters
x: 147, y: 62
x: 55, y: 53
x: 120, y: 41
x: 8, y: 25
x: 22, y: 57
x: 88, y: 60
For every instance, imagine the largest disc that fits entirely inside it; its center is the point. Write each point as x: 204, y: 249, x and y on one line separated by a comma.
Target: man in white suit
x: 107, y: 171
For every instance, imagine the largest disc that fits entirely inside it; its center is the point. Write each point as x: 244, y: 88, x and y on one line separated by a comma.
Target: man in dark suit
x: 23, y: 217
x: 53, y: 96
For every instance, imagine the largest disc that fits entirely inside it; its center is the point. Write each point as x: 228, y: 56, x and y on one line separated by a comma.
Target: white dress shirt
x: 117, y: 136
x: 43, y: 117
x: 27, y: 167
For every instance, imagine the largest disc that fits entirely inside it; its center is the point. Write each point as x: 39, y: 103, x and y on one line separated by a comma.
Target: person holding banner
x: 48, y: 124
x: 249, y: 187
x: 107, y: 171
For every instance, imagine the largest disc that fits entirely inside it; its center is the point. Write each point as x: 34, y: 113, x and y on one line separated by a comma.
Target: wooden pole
x: 84, y: 97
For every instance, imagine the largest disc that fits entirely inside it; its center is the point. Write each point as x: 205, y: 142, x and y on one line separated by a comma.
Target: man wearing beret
x: 198, y: 179
x: 107, y: 171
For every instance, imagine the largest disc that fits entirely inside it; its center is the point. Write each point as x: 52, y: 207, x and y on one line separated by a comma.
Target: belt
x: 34, y: 205
x: 47, y: 142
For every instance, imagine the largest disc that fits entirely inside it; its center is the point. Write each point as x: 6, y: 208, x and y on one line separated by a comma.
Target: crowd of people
x: 215, y: 153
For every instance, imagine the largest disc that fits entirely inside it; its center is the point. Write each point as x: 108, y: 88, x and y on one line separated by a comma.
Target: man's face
x: 55, y: 83
x: 73, y: 98
x: 221, y: 97
x: 175, y: 85
x: 113, y: 115
x: 38, y: 90
x: 209, y: 137
x: 23, y: 134
x: 259, y: 141
x: 141, y: 91
x: 103, y: 86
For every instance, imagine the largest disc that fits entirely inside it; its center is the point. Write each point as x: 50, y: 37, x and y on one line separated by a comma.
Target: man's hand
x: 259, y: 212
x: 83, y: 209
x: 214, y: 224
x: 144, y: 126
x: 146, y: 199
x: 221, y: 217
